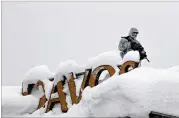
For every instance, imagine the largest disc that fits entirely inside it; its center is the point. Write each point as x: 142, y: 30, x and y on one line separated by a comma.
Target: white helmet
x: 132, y: 30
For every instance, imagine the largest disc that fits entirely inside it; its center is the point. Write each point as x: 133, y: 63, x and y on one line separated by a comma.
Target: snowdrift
x: 135, y: 93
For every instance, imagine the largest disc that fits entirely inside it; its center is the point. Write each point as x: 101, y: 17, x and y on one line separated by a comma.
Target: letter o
x: 97, y: 72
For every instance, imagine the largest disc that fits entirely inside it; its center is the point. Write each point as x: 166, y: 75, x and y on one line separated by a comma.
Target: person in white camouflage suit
x: 129, y: 43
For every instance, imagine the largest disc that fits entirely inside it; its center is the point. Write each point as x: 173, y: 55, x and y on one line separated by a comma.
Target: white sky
x: 35, y: 33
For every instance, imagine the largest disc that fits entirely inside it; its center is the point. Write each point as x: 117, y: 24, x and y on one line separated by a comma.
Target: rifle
x: 136, y: 46
x: 147, y: 59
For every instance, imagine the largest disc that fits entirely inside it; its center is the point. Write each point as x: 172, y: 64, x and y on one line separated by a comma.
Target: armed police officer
x: 129, y: 43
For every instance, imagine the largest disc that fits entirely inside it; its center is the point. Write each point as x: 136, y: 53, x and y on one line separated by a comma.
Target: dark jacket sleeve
x: 135, y: 45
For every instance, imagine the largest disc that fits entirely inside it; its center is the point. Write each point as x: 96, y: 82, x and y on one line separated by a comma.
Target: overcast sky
x: 35, y: 33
